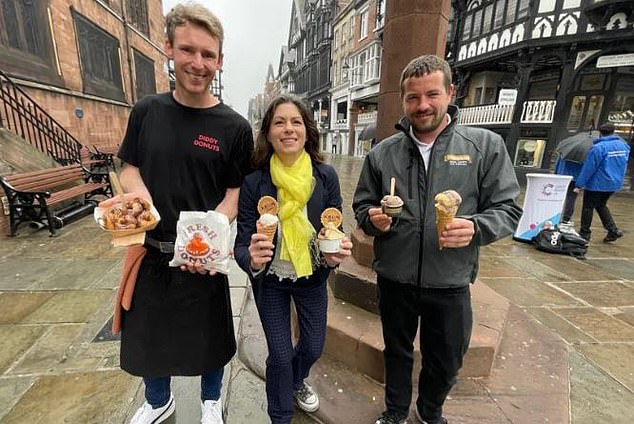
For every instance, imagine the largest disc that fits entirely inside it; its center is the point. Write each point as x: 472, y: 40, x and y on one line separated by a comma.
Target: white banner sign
x: 544, y: 200
x: 507, y: 96
x: 615, y: 60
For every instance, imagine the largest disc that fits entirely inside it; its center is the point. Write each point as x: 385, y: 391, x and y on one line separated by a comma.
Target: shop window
x: 26, y: 46
x: 137, y: 15
x: 488, y: 14
x: 99, y: 60
x: 477, y: 23
x: 621, y: 112
x: 144, y: 75
x: 466, y: 29
x: 529, y: 152
x: 511, y: 7
x: 594, y: 112
x: 592, y: 82
x: 576, y: 112
x: 498, y: 20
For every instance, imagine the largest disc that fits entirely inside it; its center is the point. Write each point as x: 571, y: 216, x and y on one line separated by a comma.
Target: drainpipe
x: 127, y: 50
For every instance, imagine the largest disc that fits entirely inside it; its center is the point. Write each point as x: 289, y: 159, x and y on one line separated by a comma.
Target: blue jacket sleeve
x: 590, y: 166
x: 247, y: 217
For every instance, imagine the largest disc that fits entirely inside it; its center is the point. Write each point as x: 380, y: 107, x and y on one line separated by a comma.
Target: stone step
x: 354, y: 334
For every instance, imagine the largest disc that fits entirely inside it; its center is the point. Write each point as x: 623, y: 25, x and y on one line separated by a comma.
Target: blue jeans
x: 157, y: 390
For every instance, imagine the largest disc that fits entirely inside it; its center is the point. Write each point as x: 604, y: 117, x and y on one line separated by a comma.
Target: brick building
x: 85, y: 62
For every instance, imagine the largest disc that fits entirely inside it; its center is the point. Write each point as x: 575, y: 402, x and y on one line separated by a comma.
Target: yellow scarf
x: 294, y: 188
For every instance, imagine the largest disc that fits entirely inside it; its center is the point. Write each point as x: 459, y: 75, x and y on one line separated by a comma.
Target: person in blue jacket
x: 567, y: 167
x: 602, y: 174
x: 289, y: 168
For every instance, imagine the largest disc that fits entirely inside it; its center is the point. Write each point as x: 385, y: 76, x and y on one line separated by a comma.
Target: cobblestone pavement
x: 58, y: 362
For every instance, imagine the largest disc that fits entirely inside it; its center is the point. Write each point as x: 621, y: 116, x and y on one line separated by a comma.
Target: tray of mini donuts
x: 128, y: 217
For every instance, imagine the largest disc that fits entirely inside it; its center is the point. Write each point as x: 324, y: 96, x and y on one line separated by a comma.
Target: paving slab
x: 529, y: 379
x: 75, y: 398
x: 48, y: 352
x: 15, y: 306
x: 597, y: 324
x: 11, y: 390
x: 595, y: 396
x: 64, y: 276
x: 604, y: 293
x: 16, y: 340
x: 623, y: 268
x: 626, y: 314
x: 528, y: 292
x: 563, y: 328
x: 613, y: 358
x: 69, y: 306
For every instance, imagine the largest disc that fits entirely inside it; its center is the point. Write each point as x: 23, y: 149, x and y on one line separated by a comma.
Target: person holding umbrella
x: 602, y: 174
x: 572, y: 152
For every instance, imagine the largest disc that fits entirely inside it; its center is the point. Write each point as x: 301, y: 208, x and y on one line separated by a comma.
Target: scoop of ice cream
x: 332, y: 233
x: 448, y: 202
x: 268, y: 219
x: 392, y: 201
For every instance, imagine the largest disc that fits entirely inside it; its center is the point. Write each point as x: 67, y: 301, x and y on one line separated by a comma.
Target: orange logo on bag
x: 197, y: 246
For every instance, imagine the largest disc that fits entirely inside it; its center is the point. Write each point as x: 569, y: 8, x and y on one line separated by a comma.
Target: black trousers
x: 569, y: 203
x: 596, y: 200
x: 445, y: 330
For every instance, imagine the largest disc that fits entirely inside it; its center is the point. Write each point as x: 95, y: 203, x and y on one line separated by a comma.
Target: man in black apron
x: 182, y: 151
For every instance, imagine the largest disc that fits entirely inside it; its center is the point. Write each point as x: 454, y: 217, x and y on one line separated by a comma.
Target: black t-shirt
x: 187, y: 157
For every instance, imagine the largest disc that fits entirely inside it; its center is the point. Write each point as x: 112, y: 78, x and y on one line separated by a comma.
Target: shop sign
x: 615, y: 60
x: 507, y: 96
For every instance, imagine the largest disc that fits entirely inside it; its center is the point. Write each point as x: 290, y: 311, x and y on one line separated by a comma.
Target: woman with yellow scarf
x: 290, y: 169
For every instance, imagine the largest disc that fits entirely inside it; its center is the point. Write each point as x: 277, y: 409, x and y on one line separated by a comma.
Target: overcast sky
x: 255, y: 31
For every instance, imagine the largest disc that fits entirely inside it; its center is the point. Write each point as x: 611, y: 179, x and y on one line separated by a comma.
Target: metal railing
x: 538, y: 111
x: 533, y: 112
x: 20, y: 114
x: 486, y: 115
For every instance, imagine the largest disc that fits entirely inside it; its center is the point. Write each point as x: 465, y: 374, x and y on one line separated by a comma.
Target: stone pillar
x: 412, y: 28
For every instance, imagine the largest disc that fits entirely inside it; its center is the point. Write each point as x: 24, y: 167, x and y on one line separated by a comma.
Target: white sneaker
x: 211, y: 412
x: 307, y: 398
x: 148, y: 415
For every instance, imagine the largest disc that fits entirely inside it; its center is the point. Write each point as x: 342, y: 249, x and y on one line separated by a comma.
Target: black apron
x: 178, y: 324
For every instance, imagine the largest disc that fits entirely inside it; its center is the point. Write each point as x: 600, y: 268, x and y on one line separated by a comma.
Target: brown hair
x: 195, y: 14
x: 264, y: 149
x: 424, y: 65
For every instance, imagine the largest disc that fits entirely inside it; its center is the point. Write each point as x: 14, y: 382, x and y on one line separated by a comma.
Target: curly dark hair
x: 264, y: 149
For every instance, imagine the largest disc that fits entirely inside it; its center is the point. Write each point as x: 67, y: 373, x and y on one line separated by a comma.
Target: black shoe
x: 391, y: 417
x: 441, y: 420
x: 585, y: 236
x: 613, y: 236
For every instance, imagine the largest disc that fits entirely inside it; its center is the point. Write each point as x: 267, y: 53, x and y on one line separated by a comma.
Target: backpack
x: 552, y: 240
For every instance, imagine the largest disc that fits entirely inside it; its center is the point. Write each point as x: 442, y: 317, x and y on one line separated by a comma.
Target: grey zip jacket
x: 472, y: 161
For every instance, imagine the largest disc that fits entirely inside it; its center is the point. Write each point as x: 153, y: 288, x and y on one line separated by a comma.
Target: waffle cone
x: 268, y: 230
x: 441, y: 221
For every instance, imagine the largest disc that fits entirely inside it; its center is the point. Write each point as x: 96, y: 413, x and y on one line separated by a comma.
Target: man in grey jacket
x: 416, y: 279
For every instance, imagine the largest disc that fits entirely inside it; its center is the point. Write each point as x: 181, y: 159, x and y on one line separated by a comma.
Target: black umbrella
x: 368, y: 132
x: 575, y: 147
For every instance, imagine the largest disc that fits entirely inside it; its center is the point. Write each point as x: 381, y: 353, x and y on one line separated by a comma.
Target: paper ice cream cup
x: 329, y: 246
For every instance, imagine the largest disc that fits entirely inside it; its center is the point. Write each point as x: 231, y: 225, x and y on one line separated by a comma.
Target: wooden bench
x: 32, y: 195
x: 93, y: 161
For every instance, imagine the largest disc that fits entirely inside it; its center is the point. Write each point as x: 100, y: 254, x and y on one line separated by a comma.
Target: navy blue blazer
x: 326, y: 194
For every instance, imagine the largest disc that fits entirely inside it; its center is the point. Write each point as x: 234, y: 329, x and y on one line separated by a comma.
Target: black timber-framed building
x: 538, y: 71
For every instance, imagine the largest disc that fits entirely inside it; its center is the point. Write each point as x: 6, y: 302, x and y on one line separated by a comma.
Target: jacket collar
x: 404, y: 125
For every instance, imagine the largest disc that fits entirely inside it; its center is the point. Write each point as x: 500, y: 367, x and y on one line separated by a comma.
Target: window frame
x: 38, y: 66
x: 138, y: 58
x: 92, y: 83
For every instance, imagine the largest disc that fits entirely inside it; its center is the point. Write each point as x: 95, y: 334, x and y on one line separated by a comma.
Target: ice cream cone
x: 442, y: 220
x: 267, y: 230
